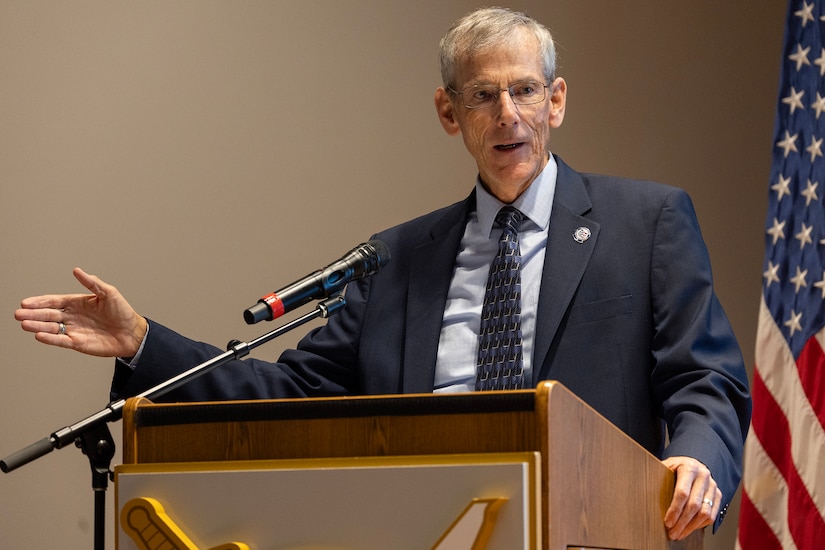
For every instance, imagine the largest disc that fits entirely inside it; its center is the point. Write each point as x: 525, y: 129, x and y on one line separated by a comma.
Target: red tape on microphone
x: 275, y: 304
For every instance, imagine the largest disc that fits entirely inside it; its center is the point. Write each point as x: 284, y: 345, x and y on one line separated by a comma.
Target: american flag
x: 783, y: 497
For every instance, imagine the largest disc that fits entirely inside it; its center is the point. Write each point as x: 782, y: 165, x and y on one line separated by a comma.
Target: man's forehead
x: 499, y: 69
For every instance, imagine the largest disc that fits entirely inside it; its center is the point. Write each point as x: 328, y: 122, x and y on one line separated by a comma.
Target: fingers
x: 47, y: 316
x: 55, y: 339
x: 699, y: 512
x: 696, y: 498
x: 91, y: 282
x: 48, y: 301
x: 712, y: 502
x: 37, y: 313
x: 58, y: 301
x: 46, y: 326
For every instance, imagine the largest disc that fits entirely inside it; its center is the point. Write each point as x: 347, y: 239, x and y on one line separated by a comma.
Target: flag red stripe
x: 811, y: 366
x: 758, y: 534
x: 770, y: 426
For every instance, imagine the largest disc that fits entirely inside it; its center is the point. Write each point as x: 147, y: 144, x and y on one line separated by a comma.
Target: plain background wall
x: 201, y: 154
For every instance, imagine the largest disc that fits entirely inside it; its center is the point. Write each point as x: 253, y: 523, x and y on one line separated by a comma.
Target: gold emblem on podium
x: 150, y: 527
x: 145, y: 520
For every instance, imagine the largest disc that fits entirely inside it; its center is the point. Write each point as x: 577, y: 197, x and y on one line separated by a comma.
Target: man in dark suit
x: 616, y: 298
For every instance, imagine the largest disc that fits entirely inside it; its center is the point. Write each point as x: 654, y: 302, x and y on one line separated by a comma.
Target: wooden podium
x: 599, y: 488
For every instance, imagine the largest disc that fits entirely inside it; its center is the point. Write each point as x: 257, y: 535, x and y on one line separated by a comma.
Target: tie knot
x: 509, y: 218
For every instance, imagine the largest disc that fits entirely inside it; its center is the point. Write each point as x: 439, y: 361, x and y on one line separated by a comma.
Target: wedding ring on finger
x: 61, y: 329
x: 709, y: 502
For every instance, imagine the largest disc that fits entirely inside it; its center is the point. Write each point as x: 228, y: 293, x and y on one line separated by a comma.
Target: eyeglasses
x: 480, y: 96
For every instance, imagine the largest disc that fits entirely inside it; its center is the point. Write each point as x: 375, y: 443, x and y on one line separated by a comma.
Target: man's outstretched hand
x: 102, y: 323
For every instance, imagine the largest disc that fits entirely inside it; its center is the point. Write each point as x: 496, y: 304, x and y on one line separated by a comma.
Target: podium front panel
x: 411, y: 503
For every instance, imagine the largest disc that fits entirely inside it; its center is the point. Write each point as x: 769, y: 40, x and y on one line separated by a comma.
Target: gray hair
x: 484, y: 29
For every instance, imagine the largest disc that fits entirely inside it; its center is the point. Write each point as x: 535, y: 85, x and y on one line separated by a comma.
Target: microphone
x: 362, y: 261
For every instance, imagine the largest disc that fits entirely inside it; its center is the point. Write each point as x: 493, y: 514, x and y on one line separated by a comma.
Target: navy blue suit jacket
x: 627, y: 320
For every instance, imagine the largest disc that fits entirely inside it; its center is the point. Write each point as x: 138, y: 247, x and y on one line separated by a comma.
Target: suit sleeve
x: 699, y: 375
x: 323, y: 364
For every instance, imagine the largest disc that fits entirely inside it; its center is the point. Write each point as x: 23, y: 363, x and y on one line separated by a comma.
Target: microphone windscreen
x: 382, y: 251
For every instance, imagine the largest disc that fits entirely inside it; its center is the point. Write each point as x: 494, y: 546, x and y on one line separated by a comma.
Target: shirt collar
x: 535, y: 202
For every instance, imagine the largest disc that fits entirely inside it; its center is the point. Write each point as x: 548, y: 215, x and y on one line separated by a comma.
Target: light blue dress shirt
x: 455, y: 369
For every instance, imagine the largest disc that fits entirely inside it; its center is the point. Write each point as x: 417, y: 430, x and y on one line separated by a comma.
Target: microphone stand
x: 93, y: 437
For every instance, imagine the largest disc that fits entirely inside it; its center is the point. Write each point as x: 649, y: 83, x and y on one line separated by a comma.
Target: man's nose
x: 508, y: 110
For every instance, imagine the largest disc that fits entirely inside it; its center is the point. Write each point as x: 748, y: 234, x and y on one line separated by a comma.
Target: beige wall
x: 199, y: 154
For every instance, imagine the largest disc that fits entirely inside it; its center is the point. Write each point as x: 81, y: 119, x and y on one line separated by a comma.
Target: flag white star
x: 804, y: 236
x: 793, y: 323
x: 789, y: 143
x: 794, y: 99
x: 819, y: 104
x: 777, y: 231
x: 806, y: 14
x: 771, y: 275
x: 798, y: 280
x: 782, y: 187
x: 815, y: 148
x: 820, y: 62
x: 821, y: 285
x: 800, y: 56
x: 810, y: 193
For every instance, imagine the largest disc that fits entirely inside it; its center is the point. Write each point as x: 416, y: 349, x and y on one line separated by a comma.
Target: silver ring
x: 709, y: 502
x: 61, y: 330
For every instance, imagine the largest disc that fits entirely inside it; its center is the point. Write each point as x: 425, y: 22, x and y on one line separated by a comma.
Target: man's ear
x: 446, y: 114
x: 558, y: 102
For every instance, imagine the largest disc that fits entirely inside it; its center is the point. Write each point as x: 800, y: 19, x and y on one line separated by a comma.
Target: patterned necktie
x: 499, y: 365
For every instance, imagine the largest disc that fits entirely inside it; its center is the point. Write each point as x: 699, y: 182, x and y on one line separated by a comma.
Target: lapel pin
x: 581, y: 235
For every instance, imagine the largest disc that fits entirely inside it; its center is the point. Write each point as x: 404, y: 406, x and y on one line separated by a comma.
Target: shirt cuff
x: 132, y: 362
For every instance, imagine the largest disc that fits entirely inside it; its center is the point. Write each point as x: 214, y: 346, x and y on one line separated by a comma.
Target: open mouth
x: 508, y: 147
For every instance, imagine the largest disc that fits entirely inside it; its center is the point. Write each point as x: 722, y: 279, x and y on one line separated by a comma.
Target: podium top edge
x: 161, y: 414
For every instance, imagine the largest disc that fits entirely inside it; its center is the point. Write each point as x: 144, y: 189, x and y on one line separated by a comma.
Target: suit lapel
x: 565, y: 260
x: 432, y: 269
